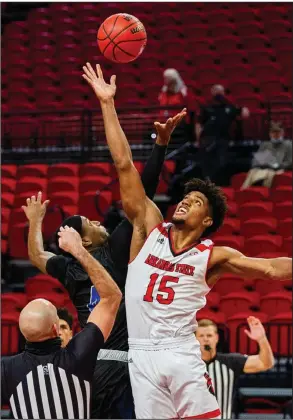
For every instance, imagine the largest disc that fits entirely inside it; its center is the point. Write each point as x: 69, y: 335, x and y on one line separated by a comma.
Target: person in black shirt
x: 225, y: 369
x: 46, y: 381
x: 213, y: 132
x: 112, y: 394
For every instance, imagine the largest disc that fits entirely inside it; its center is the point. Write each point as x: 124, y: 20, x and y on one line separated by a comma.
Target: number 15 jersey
x: 165, y: 288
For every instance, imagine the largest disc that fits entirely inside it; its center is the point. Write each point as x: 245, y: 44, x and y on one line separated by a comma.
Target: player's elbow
x: 113, y: 301
x: 123, y: 163
x: 269, y: 364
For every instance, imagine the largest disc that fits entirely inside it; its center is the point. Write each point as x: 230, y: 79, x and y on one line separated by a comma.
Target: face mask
x: 276, y: 141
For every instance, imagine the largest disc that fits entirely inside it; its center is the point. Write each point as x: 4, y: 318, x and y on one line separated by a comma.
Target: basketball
x: 121, y: 38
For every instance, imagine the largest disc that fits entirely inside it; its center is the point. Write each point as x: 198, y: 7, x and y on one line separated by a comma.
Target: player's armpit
x: 40, y: 260
x: 231, y: 261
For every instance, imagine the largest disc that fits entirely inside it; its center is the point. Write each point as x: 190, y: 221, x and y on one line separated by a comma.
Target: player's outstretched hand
x: 257, y: 331
x: 35, y: 210
x: 164, y: 131
x: 69, y: 240
x: 95, y: 79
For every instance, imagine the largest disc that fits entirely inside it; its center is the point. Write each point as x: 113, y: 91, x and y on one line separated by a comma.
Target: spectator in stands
x: 174, y: 92
x: 272, y: 157
x: 212, y: 132
x: 65, y: 326
x: 224, y: 369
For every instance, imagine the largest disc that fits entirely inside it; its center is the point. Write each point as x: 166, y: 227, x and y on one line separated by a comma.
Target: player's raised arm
x: 232, y: 261
x: 35, y: 212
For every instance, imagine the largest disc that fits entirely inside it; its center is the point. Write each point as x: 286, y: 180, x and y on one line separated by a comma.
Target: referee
x: 225, y: 369
x: 46, y: 381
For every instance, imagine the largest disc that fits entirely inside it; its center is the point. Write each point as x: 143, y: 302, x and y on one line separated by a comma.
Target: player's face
x: 193, y: 211
x: 207, y: 336
x: 65, y: 333
x: 93, y: 233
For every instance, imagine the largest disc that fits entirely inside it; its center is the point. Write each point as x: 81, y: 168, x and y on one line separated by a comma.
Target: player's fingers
x: 39, y: 197
x: 23, y: 208
x: 99, y: 71
x: 87, y: 72
x: 33, y: 198
x: 113, y: 80
x: 46, y: 203
x: 87, y: 79
x: 91, y: 70
x: 61, y: 229
x: 28, y: 201
x: 247, y: 333
x: 66, y: 227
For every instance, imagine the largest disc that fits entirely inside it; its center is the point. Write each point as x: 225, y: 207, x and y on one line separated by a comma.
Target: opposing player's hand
x: 35, y: 210
x: 257, y: 331
x: 69, y: 239
x: 164, y: 131
x: 95, y: 79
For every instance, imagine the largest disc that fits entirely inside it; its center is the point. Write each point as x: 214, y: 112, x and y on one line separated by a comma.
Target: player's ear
x: 86, y: 241
x: 207, y: 222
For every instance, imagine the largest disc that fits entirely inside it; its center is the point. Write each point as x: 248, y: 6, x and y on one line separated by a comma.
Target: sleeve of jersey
x: 57, y: 267
x: 85, y: 347
x: 237, y: 362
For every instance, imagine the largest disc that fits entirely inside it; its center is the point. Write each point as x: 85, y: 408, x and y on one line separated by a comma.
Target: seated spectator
x: 272, y: 157
x: 213, y: 132
x: 173, y: 93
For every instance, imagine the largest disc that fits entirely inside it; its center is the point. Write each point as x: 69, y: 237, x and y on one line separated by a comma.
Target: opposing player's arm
x: 232, y: 261
x: 35, y: 211
x: 103, y: 314
x: 134, y: 200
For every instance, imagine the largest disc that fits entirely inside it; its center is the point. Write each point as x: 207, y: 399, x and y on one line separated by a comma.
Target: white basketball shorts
x: 170, y: 380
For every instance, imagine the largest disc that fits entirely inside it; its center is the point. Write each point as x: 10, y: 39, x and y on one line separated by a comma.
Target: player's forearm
x: 116, y: 139
x: 280, y: 269
x: 151, y: 173
x: 37, y: 255
x: 101, y: 279
x: 265, y: 353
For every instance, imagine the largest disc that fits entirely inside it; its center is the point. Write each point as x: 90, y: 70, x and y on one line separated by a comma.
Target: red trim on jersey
x: 159, y: 227
x: 205, y: 275
x: 203, y: 247
x: 163, y: 230
x: 209, y: 415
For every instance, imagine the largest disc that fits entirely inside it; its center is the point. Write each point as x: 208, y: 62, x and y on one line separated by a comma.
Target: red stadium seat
x: 287, y: 246
x: 8, y: 185
x: 94, y: 183
x: 17, y: 241
x: 249, y: 28
x: 281, y: 180
x: 285, y: 228
x: 237, y: 323
x: 217, y: 317
x: 262, y: 243
x: 213, y: 300
x: 281, y: 194
x: 238, y: 179
x: 63, y: 170
x: 255, y: 42
x: 230, y: 226
x: 62, y: 183
x: 52, y: 220
x: 252, y: 194
x: 276, y: 302
x: 253, y: 227
x: 265, y: 286
x: 283, y: 210
x: 239, y: 302
x: 280, y: 333
x: 43, y: 283
x: 9, y: 333
x: 58, y: 299
x: 257, y: 209
x: 94, y: 206
x: 7, y: 199
x: 12, y: 302
x: 230, y: 241
x: 31, y: 184
x: 68, y: 201
x: 95, y: 168
x: 33, y: 170
x: 8, y: 171
x: 17, y: 215
x: 222, y: 29
x: 228, y: 283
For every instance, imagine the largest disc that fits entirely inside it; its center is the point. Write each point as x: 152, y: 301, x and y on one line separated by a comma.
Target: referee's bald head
x: 38, y: 321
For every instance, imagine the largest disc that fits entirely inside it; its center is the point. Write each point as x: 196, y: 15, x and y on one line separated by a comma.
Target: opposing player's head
x: 93, y: 234
x: 65, y: 326
x: 207, y: 335
x: 38, y: 321
x: 203, y: 207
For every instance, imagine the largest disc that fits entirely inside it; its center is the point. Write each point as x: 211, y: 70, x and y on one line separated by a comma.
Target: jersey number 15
x: 164, y: 300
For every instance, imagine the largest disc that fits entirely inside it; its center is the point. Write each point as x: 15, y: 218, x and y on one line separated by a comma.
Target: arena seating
x: 53, y: 42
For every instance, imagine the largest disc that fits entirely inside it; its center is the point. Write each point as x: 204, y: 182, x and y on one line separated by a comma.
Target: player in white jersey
x: 171, y: 270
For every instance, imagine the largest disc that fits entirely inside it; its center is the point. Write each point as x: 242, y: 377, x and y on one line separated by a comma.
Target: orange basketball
x: 121, y: 38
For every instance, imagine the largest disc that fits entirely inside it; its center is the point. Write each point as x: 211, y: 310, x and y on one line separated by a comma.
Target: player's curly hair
x: 216, y: 198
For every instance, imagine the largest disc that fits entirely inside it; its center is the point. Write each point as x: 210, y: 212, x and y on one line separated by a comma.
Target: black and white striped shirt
x: 47, y: 382
x: 224, y: 370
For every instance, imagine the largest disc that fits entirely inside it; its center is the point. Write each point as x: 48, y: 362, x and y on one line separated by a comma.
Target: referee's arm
x: 104, y: 314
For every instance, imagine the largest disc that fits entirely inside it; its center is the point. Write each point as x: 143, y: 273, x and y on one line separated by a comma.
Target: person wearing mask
x: 174, y: 92
x: 46, y: 381
x: 272, y: 158
x: 65, y: 326
x: 212, y: 132
x: 225, y: 369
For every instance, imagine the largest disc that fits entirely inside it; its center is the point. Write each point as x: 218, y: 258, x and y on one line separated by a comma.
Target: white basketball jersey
x: 165, y: 288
